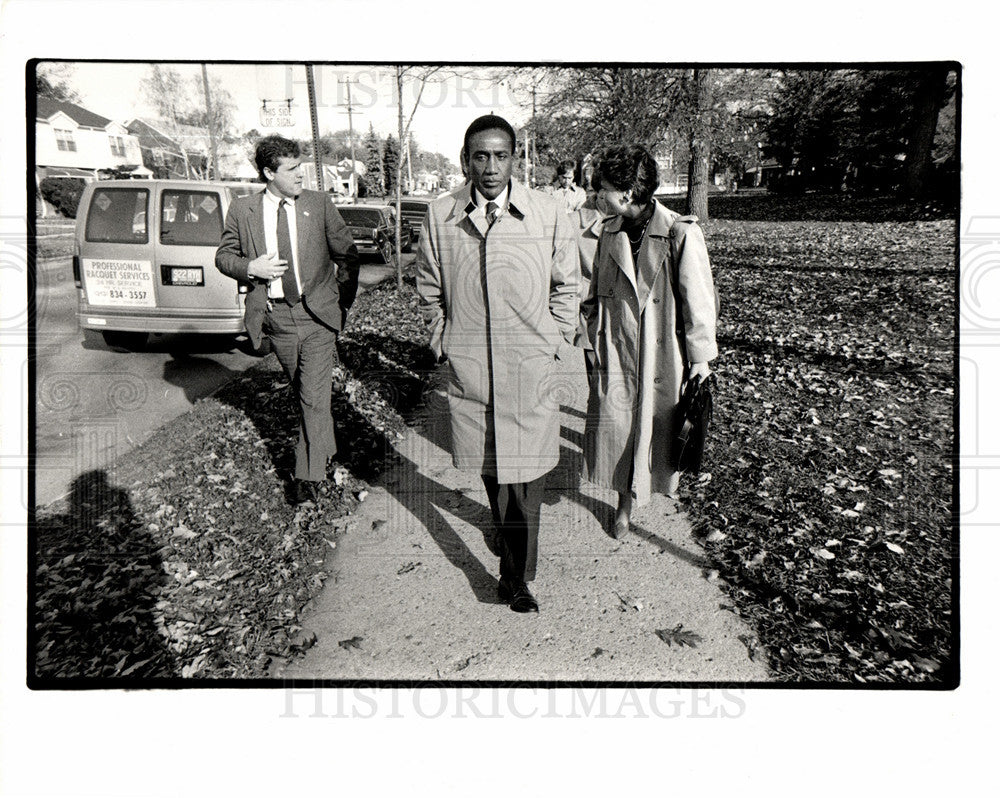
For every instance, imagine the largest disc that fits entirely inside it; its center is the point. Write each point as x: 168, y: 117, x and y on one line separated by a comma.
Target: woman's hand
x: 699, y: 370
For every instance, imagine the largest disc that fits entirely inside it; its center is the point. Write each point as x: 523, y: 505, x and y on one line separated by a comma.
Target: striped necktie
x: 492, y: 210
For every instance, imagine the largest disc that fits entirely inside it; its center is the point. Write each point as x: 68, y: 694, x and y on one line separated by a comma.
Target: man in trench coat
x: 498, y: 277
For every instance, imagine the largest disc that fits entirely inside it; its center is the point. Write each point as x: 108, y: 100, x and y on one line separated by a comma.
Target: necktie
x: 288, y: 284
x: 491, y: 212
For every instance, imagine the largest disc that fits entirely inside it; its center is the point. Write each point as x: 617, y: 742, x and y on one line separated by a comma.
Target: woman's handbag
x: 691, y: 420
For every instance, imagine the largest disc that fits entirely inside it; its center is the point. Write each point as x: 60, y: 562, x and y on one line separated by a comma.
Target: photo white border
x: 222, y: 741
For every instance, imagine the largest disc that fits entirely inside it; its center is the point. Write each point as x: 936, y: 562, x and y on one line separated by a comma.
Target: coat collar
x: 591, y: 222
x: 518, y: 205
x: 654, y: 251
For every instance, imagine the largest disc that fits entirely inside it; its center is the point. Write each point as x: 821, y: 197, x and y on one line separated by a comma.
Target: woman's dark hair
x: 270, y: 151
x: 489, y: 122
x: 628, y: 169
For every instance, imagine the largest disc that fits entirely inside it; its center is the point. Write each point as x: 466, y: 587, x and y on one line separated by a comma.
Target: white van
x: 144, y: 259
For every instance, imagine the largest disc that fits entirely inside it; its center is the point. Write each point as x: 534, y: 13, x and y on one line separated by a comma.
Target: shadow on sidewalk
x: 565, y: 480
x: 427, y: 500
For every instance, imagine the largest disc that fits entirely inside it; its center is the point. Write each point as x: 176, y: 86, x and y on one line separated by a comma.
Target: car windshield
x: 369, y: 216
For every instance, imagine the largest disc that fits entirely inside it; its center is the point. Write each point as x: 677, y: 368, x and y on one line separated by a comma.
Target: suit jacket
x: 327, y: 258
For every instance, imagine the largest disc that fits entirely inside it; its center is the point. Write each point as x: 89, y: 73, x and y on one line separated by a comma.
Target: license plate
x: 182, y: 276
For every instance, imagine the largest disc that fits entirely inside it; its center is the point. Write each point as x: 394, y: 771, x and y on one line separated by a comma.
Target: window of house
x: 117, y: 146
x: 64, y: 140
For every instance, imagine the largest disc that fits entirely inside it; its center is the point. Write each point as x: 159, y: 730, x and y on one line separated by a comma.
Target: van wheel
x: 128, y: 341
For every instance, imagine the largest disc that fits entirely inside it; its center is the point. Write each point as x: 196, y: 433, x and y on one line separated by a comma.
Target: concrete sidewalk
x: 413, y: 583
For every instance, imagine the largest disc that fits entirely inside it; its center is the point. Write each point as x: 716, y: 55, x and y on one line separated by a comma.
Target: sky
x: 446, y: 106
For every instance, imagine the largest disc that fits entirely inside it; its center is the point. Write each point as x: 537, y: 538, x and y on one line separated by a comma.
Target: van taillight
x: 76, y: 271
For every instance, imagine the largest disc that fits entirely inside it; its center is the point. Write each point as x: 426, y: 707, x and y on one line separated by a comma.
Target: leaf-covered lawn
x: 828, y: 502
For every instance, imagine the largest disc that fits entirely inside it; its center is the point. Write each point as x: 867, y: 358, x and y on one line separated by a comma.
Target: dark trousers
x: 516, y: 510
x: 307, y: 350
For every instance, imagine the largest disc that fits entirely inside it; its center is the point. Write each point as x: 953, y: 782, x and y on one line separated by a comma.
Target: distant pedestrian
x: 295, y: 255
x: 498, y: 275
x: 650, y: 317
x: 566, y: 190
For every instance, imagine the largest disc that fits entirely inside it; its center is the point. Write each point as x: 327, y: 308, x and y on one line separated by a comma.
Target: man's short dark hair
x: 270, y: 150
x: 489, y: 122
x: 566, y: 168
x: 628, y: 169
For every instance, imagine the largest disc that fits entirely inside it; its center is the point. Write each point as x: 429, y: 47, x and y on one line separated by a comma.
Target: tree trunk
x: 697, y: 196
x: 399, y: 180
x: 920, y: 146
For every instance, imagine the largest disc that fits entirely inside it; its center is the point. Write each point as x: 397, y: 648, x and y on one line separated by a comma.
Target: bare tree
x: 419, y: 77
x: 165, y: 89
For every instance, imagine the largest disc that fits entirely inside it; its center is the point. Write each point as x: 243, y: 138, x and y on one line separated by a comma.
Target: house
x: 71, y: 141
x: 338, y: 178
x: 177, y: 151
x: 428, y: 182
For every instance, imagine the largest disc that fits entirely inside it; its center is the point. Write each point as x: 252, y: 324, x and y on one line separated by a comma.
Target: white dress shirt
x: 481, y: 203
x: 271, y: 201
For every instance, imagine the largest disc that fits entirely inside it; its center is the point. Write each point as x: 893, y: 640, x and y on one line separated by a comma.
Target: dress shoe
x: 619, y: 528
x: 515, y: 592
x: 303, y: 490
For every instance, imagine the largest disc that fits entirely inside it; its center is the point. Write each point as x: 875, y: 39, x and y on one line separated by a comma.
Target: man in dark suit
x: 296, y: 256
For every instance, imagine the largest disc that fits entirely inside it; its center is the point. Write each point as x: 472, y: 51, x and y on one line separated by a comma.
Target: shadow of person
x: 427, y: 500
x: 666, y: 547
x: 97, y: 574
x: 196, y: 376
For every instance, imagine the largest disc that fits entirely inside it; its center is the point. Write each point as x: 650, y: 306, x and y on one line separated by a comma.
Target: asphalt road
x: 92, y: 404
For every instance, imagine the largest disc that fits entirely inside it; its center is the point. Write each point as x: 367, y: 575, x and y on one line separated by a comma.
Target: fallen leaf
x: 680, y: 635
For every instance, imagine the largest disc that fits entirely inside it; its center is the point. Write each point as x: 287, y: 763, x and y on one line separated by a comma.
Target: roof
x: 149, y: 136
x: 193, y: 139
x: 47, y: 107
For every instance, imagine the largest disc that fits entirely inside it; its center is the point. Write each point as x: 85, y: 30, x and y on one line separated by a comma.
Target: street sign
x: 276, y: 115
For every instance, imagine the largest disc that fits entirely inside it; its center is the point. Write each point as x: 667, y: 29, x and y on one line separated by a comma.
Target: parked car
x: 414, y: 210
x: 144, y: 259
x: 373, y: 228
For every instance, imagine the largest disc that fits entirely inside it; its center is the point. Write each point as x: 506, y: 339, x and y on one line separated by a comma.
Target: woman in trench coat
x: 648, y: 338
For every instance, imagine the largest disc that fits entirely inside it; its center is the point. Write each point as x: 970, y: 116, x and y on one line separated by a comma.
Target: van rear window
x: 190, y: 218
x: 118, y: 216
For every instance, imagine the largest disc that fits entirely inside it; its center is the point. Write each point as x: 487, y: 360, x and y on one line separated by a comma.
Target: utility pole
x: 409, y: 165
x: 528, y: 165
x: 399, y: 179
x: 350, y: 127
x: 317, y: 155
x: 211, y: 123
